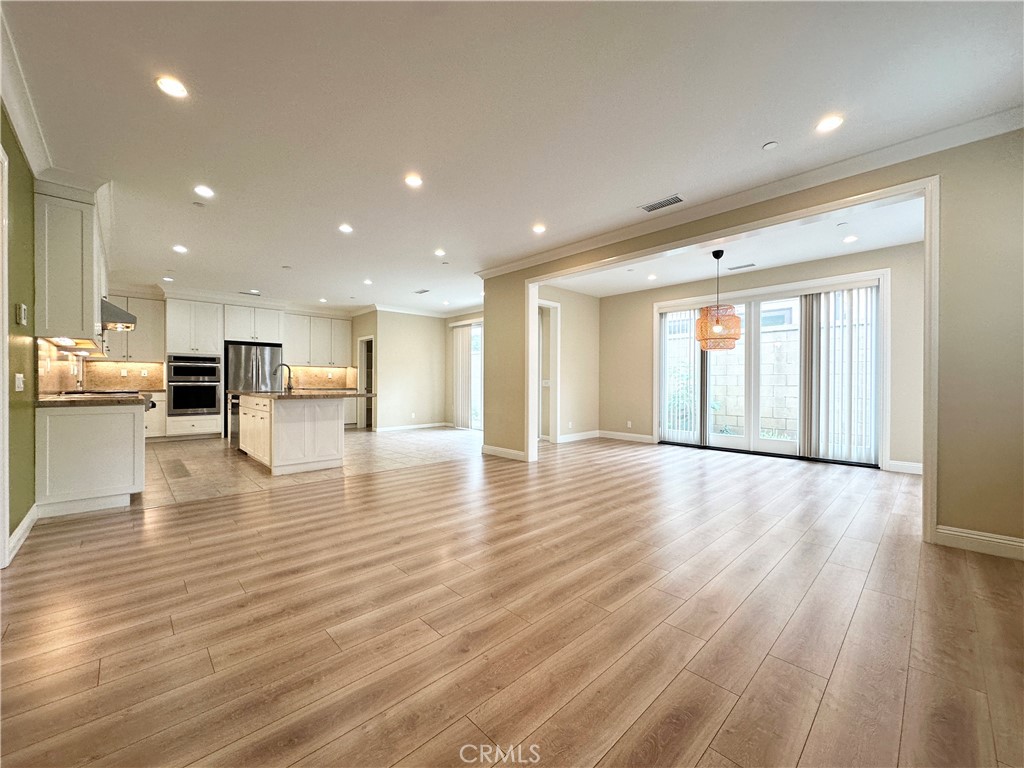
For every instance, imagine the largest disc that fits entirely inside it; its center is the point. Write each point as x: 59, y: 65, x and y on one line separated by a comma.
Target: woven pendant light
x: 718, y: 326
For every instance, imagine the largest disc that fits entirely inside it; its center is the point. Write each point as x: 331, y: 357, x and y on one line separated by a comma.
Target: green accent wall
x: 21, y: 284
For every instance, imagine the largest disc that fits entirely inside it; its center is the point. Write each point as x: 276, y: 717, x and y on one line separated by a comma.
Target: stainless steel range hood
x: 113, y: 318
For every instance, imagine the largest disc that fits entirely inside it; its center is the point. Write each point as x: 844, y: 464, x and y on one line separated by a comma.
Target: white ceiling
x: 875, y: 225
x: 304, y: 116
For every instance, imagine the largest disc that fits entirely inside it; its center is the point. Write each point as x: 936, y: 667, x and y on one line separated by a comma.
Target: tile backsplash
x: 58, y: 371
x: 308, y: 377
x: 106, y: 374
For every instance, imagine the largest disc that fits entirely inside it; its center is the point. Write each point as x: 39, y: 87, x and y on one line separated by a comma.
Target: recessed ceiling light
x: 439, y: 252
x: 850, y: 239
x: 346, y: 228
x: 168, y: 279
x: 172, y: 86
x: 540, y: 229
x: 254, y: 290
x: 770, y: 146
x: 652, y: 277
x: 203, y: 191
x: 323, y: 301
x: 367, y: 281
x: 414, y: 180
x: 829, y: 123
x: 179, y: 249
x: 445, y: 303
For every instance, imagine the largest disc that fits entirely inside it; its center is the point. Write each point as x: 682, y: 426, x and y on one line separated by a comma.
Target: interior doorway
x: 366, y: 383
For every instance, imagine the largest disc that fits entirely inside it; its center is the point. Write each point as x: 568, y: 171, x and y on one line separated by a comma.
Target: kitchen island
x: 298, y: 431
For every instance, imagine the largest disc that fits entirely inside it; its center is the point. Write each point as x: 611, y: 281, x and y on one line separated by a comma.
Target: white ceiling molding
x: 974, y: 130
x: 20, y: 108
x: 405, y: 311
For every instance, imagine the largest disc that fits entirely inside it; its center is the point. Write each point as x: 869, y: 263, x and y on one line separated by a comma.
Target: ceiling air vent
x: 659, y: 204
x: 741, y: 266
x: 421, y: 291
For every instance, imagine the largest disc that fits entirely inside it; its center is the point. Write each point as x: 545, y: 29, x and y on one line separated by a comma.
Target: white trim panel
x: 906, y: 467
x: 978, y: 541
x: 504, y: 453
x: 578, y: 436
x: 631, y: 437
x: 20, y: 534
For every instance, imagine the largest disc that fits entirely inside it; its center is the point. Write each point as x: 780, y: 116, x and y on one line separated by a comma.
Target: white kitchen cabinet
x: 194, y: 425
x: 67, y: 298
x: 88, y: 457
x: 296, y: 339
x: 195, y: 327
x: 341, y: 343
x: 330, y: 342
x: 252, y: 324
x: 293, y: 434
x: 146, y: 343
x: 156, y: 418
x: 351, y: 410
x: 320, y: 340
x: 254, y: 420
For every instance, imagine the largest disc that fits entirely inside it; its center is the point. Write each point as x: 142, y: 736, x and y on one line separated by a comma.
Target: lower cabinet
x: 156, y: 418
x: 351, y: 410
x: 88, y: 457
x: 254, y: 434
x: 193, y: 425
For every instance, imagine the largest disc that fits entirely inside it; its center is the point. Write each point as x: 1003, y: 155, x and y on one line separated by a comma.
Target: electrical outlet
x: 414, y: 416
x: 330, y: 374
x: 570, y: 425
x: 124, y: 373
x: 143, y: 373
x: 19, y: 382
x: 629, y: 425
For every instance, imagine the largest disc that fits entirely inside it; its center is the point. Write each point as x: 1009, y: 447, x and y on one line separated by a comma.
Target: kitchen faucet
x: 278, y: 367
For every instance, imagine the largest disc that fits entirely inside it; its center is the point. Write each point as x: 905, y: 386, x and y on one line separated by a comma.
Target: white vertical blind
x: 462, y: 362
x: 841, y: 369
x: 680, y: 378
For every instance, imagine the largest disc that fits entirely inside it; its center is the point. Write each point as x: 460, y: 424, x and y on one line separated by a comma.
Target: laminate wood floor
x: 615, y: 604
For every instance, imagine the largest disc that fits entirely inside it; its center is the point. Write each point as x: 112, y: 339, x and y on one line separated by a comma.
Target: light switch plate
x: 124, y: 373
x: 21, y: 314
x: 19, y: 382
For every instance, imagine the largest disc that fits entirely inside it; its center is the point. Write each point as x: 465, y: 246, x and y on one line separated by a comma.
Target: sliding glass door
x: 802, y: 379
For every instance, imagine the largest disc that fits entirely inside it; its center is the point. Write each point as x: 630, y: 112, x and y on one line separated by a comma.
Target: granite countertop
x: 306, y: 394
x: 64, y: 401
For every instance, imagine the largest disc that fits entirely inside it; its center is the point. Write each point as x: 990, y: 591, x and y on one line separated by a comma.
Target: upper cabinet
x: 296, y: 343
x: 195, y: 327
x: 252, y: 324
x: 67, y: 290
x: 146, y: 343
x: 317, y: 341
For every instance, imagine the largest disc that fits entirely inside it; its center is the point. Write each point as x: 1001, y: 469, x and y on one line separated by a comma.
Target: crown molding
x: 407, y: 311
x: 18, y: 102
x: 947, y: 138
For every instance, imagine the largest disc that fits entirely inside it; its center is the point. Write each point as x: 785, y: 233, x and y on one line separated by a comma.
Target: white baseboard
x: 412, y: 426
x: 20, y: 534
x: 906, y: 467
x: 113, y: 503
x: 627, y: 436
x: 578, y: 436
x: 979, y: 541
x: 505, y: 453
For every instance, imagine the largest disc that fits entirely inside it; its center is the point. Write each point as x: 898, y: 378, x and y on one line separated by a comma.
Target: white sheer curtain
x: 462, y: 362
x: 840, y: 374
x: 680, y: 378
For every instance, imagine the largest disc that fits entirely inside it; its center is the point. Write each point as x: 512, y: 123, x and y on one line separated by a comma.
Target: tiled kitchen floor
x: 189, y: 470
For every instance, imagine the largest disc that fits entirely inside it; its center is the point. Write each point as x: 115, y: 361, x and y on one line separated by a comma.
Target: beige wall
x: 410, y: 360
x: 627, y: 340
x: 579, y: 319
x: 449, y: 386
x: 980, y: 485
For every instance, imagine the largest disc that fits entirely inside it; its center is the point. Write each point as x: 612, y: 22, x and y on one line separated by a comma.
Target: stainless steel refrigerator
x: 248, y: 368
